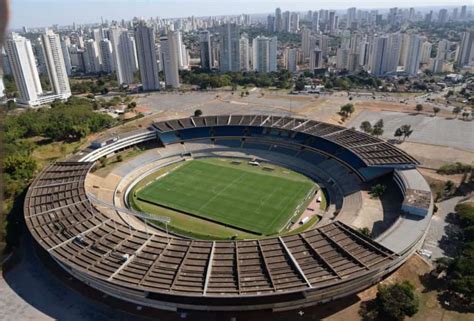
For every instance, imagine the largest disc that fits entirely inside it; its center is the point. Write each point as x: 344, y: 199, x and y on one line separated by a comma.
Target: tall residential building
x: 332, y: 22
x: 291, y: 57
x: 316, y: 59
x: 169, y: 58
x: 315, y: 21
x: 442, y: 51
x: 270, y: 23
x: 108, y: 63
x: 65, y: 43
x: 98, y: 36
x: 380, y: 56
x: 244, y: 52
x: 412, y: 64
x: 123, y: 53
x: 466, y: 49
x: 425, y: 52
x: 230, y: 48
x: 91, y: 57
x: 443, y: 16
x: 463, y: 14
x: 278, y: 20
x: 55, y: 64
x: 394, y: 50
x: 147, y: 58
x: 183, y: 59
x: 23, y: 65
x: 305, y: 42
x: 205, y: 49
x: 351, y: 16
x: 294, y: 22
x: 264, y: 54
x: 286, y: 21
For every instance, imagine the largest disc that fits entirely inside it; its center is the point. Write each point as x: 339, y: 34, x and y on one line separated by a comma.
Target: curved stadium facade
x: 141, y: 264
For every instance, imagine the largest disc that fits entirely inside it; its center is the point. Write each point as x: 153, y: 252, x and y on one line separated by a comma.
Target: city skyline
x: 36, y: 14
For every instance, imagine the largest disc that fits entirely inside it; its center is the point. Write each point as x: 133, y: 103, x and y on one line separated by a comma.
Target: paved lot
x: 436, y: 238
x: 428, y: 130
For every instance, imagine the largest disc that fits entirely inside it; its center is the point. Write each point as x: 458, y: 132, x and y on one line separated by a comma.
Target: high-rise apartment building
x: 244, y: 52
x: 205, y: 50
x: 108, y: 62
x: 91, y: 57
x: 55, y: 64
x: 23, y: 65
x: 229, y: 48
x: 123, y: 53
x: 278, y: 20
x: 264, y: 54
x: 65, y: 43
x: 147, y: 57
x: 380, y: 56
x: 466, y: 49
x: 291, y: 58
x: 412, y: 64
x: 170, y: 58
x: 316, y: 59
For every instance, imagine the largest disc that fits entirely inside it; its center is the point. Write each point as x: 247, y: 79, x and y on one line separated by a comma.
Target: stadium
x: 228, y: 213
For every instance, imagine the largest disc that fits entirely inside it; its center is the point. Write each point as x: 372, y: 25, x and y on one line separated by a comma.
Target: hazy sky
x: 37, y: 13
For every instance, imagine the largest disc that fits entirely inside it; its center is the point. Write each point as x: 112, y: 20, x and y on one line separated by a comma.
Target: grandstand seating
x: 320, y: 264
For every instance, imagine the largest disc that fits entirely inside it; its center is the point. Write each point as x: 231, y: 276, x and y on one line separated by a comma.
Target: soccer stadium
x: 228, y: 213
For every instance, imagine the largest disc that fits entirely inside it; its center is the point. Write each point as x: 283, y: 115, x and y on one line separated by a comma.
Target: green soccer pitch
x: 235, y: 194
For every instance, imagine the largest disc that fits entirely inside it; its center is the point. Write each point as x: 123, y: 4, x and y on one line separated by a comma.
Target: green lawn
x: 240, y: 196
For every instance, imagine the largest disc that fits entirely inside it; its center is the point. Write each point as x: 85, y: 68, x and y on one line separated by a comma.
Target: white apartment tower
x: 466, y: 49
x: 414, y: 55
x: 380, y: 56
x: 65, y: 43
x: 230, y: 48
x: 91, y: 57
x: 108, y: 63
x: 169, y: 59
x: 244, y: 53
x: 147, y: 58
x: 264, y: 54
x: 55, y: 64
x: 122, y: 51
x: 23, y: 65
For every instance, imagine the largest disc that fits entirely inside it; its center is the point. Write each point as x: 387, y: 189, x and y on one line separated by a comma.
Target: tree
x: 396, y: 301
x: 398, y: 133
x: 347, y: 110
x: 299, y: 85
x: 197, y: 113
x: 456, y: 111
x: 378, y: 190
x: 419, y: 107
x: 406, y: 131
x: 436, y: 110
x: 366, y: 127
x: 377, y: 130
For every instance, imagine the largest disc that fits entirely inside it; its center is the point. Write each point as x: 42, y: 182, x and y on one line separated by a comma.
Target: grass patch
x: 237, y: 196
